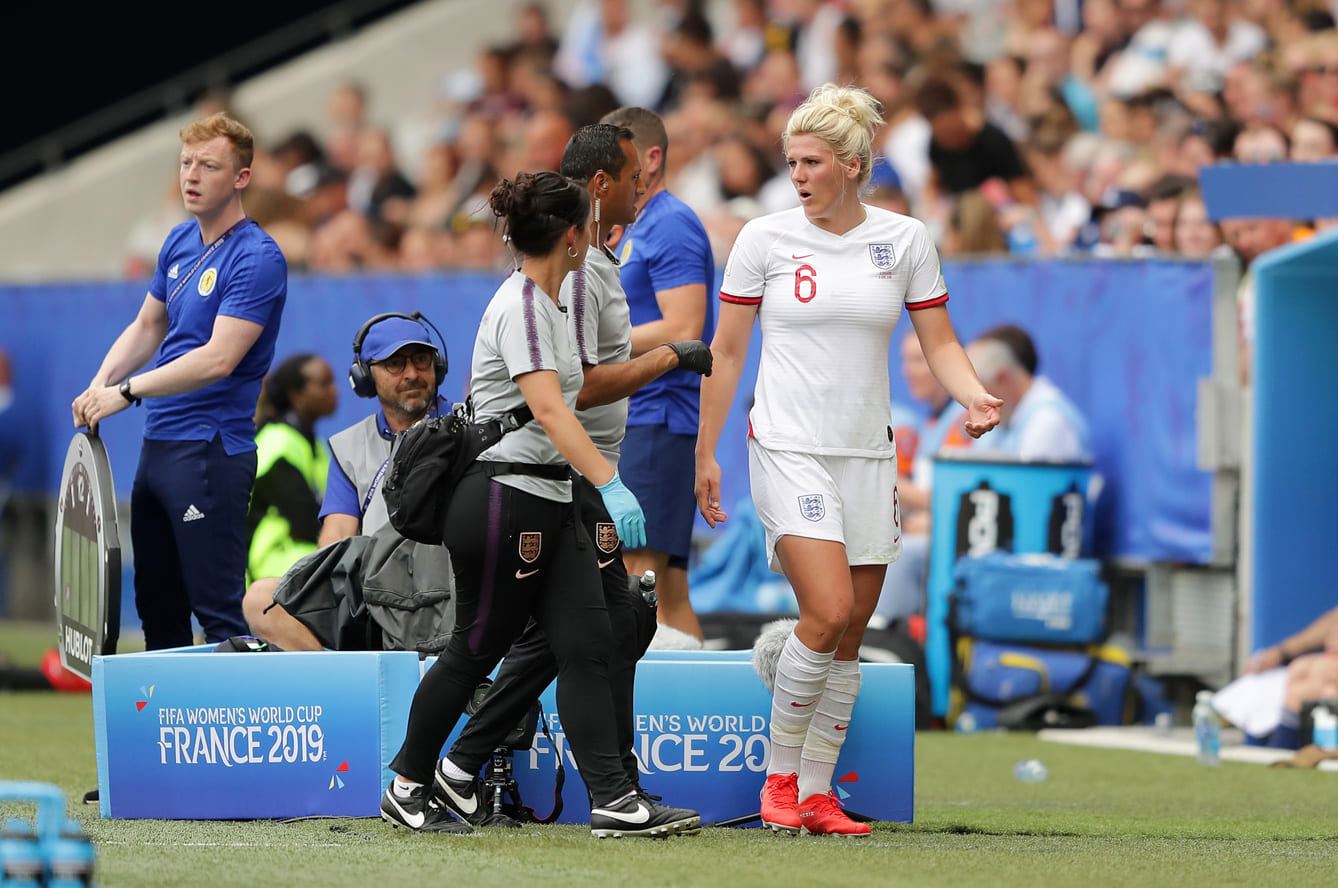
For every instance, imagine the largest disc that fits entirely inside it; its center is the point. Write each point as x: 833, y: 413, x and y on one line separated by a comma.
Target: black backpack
x: 428, y: 459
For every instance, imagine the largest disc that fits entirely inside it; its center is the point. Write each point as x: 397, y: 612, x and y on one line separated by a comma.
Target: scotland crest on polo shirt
x: 882, y: 256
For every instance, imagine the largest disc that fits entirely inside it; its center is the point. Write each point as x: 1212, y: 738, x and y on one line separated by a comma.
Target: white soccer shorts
x: 851, y: 500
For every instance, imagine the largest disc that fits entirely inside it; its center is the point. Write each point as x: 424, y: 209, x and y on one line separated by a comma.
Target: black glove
x: 694, y: 355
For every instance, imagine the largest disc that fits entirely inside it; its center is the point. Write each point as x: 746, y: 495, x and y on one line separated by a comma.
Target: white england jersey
x: 522, y: 331
x: 827, y: 305
x: 601, y: 330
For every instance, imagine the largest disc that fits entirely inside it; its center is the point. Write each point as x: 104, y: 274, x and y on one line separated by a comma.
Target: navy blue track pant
x: 188, y: 528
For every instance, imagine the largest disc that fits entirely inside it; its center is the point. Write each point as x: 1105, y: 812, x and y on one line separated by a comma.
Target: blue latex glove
x: 625, y: 511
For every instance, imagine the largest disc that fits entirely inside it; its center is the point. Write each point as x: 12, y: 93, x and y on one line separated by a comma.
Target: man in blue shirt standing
x: 667, y: 270
x: 206, y: 329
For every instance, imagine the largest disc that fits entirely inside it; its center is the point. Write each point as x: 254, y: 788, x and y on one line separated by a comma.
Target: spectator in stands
x: 973, y: 227
x: 1314, y: 139
x: 347, y: 114
x: 208, y: 324
x: 1037, y: 420
x: 1163, y: 202
x: 1208, y: 42
x: 602, y: 44
x: 1261, y: 143
x: 545, y: 138
x: 376, y: 187
x: 402, y: 368
x: 1196, y: 236
x: 965, y: 150
x: 1251, y: 238
x: 291, y: 465
x: 1311, y: 660
x: 667, y: 270
x: 689, y: 49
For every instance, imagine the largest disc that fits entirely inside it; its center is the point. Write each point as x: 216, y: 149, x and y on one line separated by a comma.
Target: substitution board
x: 88, y: 557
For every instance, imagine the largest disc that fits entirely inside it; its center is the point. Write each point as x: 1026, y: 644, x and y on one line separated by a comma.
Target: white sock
x: 454, y: 771
x: 402, y: 787
x: 801, y: 675
x: 822, y: 746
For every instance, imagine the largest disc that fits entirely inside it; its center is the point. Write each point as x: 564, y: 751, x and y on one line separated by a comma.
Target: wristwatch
x: 125, y: 393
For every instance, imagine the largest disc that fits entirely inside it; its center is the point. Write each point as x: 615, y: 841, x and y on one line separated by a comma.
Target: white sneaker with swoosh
x: 637, y: 816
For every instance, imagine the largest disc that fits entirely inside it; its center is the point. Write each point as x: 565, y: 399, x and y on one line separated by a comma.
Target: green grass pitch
x: 1103, y: 818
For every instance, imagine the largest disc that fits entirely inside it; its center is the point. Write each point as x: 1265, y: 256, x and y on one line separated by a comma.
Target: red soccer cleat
x: 821, y: 815
x: 780, y: 803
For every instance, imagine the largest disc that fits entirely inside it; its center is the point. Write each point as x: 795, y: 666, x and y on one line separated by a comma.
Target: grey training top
x: 601, y: 329
x: 523, y: 331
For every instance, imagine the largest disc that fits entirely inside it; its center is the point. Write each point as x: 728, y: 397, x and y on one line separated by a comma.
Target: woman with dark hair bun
x: 518, y: 550
x: 291, y: 465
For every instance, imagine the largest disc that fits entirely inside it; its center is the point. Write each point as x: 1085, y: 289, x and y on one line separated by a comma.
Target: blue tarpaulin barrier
x: 1128, y: 341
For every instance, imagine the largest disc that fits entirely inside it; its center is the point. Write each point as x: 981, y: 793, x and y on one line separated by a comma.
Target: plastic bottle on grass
x: 1207, y: 729
x: 1031, y: 771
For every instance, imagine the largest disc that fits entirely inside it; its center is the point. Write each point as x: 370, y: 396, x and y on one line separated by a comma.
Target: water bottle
x: 965, y: 723
x: 70, y: 858
x: 1031, y: 771
x: 1207, y: 729
x: 20, y: 854
x: 1324, y: 719
x: 644, y: 586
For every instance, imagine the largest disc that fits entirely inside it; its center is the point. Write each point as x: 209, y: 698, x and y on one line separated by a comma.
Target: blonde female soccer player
x: 828, y: 281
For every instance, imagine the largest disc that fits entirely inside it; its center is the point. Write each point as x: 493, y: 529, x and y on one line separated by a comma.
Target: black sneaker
x: 464, y: 797
x: 466, y: 801
x: 419, y: 812
x: 635, y: 816
x: 651, y: 798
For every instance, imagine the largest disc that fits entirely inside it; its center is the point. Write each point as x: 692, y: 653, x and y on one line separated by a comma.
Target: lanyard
x: 212, y: 247
x: 376, y: 482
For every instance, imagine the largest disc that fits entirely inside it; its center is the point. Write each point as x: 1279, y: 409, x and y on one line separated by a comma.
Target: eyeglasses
x: 395, y: 363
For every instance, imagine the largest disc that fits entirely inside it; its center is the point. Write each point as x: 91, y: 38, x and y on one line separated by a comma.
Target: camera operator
x: 395, y: 361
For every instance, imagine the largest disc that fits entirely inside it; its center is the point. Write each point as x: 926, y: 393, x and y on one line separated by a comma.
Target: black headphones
x: 360, y: 372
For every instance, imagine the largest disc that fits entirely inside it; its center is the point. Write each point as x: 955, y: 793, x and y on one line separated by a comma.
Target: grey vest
x: 362, y: 453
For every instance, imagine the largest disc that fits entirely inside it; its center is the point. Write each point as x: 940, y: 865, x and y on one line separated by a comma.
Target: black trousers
x: 519, y: 557
x: 530, y: 665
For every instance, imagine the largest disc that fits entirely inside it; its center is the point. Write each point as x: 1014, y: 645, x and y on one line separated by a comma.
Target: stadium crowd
x: 1043, y: 127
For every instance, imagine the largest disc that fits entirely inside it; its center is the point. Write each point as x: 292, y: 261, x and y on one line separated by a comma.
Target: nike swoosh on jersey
x: 641, y: 816
x: 604, y: 564
x: 805, y: 256
x: 841, y: 727
x: 468, y: 805
x: 802, y: 705
x: 414, y: 821
x: 520, y: 575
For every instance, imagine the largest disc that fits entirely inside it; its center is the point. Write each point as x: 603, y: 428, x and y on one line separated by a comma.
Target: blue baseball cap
x: 389, y: 336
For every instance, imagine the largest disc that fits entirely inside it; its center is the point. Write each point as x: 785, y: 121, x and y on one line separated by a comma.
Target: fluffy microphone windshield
x: 767, y: 649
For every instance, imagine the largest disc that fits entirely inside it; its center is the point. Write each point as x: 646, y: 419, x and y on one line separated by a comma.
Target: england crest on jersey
x: 882, y: 256
x: 811, y: 507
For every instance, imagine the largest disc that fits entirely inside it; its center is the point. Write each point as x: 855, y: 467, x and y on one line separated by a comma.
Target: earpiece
x: 360, y: 372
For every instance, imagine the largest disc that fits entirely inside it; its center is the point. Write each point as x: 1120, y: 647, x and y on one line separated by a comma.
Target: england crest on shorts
x: 882, y: 256
x: 811, y: 507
